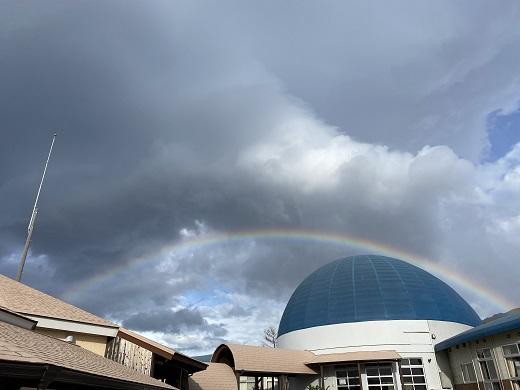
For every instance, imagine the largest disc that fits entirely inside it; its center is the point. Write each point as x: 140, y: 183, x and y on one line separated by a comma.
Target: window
x: 247, y: 383
x: 347, y: 377
x: 379, y: 376
x: 512, y: 355
x: 488, y: 368
x: 468, y: 373
x: 412, y: 373
x: 265, y: 383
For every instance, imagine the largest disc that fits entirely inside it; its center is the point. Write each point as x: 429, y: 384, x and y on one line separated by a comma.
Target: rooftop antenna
x: 32, y: 221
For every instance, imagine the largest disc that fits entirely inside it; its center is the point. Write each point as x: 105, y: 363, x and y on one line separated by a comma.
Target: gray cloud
x: 246, y: 116
x: 168, y: 321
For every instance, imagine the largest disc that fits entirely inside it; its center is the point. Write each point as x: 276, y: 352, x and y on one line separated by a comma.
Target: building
x: 372, y: 323
x: 31, y: 360
x: 55, y: 317
x: 486, y: 357
x: 151, y: 358
x: 60, y: 320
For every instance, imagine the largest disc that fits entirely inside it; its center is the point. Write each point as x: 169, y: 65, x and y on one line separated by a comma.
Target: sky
x: 397, y: 123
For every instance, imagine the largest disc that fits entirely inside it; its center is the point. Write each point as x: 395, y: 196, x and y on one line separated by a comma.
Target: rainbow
x: 300, y: 235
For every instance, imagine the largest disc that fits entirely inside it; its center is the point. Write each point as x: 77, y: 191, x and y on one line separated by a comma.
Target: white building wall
x: 467, y: 353
x: 410, y: 338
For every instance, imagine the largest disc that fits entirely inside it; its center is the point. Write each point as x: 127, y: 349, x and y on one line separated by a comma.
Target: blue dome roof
x: 372, y: 288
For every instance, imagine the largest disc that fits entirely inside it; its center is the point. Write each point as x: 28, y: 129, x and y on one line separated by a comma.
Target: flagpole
x: 32, y: 221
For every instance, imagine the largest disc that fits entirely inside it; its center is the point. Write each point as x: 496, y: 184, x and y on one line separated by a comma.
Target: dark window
x: 412, y: 374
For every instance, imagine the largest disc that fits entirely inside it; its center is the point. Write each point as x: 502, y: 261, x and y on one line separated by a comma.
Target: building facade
x: 62, y: 321
x: 486, y: 357
x: 372, y: 323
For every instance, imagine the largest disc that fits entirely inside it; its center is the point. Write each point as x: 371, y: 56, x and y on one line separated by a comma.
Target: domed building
x: 375, y: 303
x: 368, y: 323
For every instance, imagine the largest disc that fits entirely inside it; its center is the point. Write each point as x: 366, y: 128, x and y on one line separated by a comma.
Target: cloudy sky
x: 398, y: 123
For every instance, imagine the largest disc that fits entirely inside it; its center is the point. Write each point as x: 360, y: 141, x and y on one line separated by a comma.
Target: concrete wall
x: 411, y: 339
x: 467, y: 353
x: 93, y: 343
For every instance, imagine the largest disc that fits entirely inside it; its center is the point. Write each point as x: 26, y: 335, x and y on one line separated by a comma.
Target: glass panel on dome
x: 362, y: 288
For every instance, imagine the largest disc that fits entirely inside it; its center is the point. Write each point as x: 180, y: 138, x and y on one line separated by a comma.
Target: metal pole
x: 32, y: 221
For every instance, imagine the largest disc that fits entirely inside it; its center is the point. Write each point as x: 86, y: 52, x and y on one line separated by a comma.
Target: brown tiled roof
x: 218, y: 376
x: 268, y: 360
x: 358, y: 356
x: 23, y: 299
x: 21, y: 345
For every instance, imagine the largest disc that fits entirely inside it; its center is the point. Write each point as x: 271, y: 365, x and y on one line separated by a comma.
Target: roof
x: 359, y: 356
x: 218, y: 376
x: 168, y: 353
x: 372, y: 288
x: 22, y: 345
x: 145, y: 342
x: 507, y: 323
x: 264, y: 359
x: 17, y: 319
x: 23, y: 299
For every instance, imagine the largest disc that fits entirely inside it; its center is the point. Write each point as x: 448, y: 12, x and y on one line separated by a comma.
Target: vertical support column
x: 397, y: 376
x: 363, y: 376
x: 237, y: 373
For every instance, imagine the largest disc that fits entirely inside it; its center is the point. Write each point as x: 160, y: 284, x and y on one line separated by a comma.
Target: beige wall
x: 468, y: 354
x: 93, y: 343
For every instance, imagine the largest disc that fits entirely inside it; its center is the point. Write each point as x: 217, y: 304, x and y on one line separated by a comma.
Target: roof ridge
x: 21, y: 306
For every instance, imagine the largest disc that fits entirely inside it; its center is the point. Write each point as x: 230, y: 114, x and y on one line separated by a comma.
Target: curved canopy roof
x: 251, y: 359
x: 218, y: 376
x: 372, y: 288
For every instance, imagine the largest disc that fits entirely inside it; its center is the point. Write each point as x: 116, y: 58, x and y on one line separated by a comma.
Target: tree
x: 271, y: 337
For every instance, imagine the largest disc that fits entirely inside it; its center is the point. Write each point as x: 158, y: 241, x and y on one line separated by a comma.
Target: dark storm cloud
x: 173, y: 322
x: 172, y: 113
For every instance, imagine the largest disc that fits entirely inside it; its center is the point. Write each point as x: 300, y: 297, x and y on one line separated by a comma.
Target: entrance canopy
x: 263, y: 360
x: 249, y: 359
